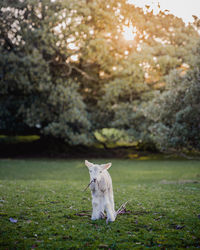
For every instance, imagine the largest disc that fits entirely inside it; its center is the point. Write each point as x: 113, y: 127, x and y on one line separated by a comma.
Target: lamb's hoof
x: 109, y: 220
x: 93, y: 219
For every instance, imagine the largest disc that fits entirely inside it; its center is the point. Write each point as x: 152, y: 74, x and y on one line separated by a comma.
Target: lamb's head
x: 96, y: 170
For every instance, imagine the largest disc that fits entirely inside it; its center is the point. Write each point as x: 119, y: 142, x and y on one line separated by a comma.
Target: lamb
x: 102, y: 191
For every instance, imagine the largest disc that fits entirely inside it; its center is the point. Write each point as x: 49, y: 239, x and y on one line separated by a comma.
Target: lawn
x: 43, y: 206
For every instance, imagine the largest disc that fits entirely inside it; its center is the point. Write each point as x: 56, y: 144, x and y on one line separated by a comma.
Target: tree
x: 175, y: 114
x: 67, y: 69
x: 36, y: 92
x: 161, y: 44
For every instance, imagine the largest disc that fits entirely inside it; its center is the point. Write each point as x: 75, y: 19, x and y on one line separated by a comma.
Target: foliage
x: 52, y: 212
x: 110, y: 137
x: 175, y: 114
x: 33, y: 89
x: 68, y: 71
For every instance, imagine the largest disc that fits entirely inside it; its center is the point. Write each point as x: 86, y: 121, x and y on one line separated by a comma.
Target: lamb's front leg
x: 96, y: 211
x: 101, y: 207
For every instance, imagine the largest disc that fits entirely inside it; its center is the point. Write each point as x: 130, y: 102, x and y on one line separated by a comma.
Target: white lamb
x: 102, y: 191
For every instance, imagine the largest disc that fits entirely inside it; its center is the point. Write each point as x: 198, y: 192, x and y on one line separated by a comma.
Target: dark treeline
x: 70, y: 71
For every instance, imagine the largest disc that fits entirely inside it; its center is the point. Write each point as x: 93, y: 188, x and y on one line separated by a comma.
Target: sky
x: 181, y: 8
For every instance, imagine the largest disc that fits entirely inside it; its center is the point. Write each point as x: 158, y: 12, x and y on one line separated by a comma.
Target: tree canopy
x: 70, y: 70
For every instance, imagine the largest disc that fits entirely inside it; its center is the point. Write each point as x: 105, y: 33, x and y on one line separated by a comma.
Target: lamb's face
x: 95, y: 170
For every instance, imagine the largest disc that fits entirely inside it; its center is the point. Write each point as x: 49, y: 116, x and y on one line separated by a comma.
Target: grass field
x: 43, y: 206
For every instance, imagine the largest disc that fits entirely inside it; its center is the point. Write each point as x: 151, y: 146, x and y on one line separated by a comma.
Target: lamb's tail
x: 121, y: 209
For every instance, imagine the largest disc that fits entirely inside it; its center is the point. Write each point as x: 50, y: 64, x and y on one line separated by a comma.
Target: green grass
x: 47, y: 199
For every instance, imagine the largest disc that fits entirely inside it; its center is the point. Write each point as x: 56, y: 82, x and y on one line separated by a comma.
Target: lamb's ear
x: 106, y: 166
x: 88, y: 164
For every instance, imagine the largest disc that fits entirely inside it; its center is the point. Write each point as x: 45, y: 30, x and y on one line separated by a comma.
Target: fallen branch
x: 122, y: 209
x: 88, y: 186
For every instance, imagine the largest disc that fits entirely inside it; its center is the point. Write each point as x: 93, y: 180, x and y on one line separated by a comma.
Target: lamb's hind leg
x: 111, y: 198
x: 109, y: 209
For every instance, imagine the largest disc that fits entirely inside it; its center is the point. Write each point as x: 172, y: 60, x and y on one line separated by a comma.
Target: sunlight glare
x: 126, y: 52
x: 129, y: 32
x: 72, y: 46
x: 74, y: 58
